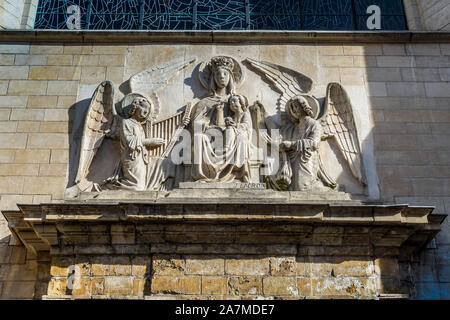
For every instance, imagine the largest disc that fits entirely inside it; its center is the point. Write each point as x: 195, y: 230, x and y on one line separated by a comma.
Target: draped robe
x: 223, y: 160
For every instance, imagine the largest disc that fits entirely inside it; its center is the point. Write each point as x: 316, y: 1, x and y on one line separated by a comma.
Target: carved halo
x: 128, y: 99
x: 204, y: 73
x: 313, y: 103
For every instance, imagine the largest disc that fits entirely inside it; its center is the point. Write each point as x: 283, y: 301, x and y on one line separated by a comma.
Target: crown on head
x: 221, y: 62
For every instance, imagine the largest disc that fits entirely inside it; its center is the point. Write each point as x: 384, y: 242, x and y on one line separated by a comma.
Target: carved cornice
x: 69, y: 228
x: 125, y: 36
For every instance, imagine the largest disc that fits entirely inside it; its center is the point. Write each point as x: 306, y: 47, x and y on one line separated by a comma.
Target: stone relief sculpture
x: 221, y: 112
x: 221, y: 126
x: 132, y: 123
x: 304, y: 125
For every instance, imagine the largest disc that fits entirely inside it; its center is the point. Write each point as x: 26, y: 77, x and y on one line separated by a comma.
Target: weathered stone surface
x: 204, y: 265
x: 245, y: 285
x: 214, y: 285
x: 168, y: 265
x: 176, y: 285
x: 280, y: 286
x: 246, y: 266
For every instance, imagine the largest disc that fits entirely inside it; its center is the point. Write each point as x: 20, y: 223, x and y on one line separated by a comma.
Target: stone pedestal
x: 240, y: 249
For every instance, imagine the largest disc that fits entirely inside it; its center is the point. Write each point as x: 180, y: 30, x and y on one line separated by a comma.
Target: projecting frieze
x: 226, y: 139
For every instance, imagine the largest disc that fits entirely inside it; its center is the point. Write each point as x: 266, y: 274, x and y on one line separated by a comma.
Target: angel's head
x: 238, y: 103
x: 298, y: 108
x: 221, y: 69
x: 140, y: 109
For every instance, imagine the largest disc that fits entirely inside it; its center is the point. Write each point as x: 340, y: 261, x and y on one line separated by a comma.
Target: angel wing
x: 153, y: 79
x: 98, y: 122
x: 338, y: 123
x: 287, y: 82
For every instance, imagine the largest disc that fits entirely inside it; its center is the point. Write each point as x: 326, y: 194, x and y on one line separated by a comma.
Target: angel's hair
x: 303, y: 103
x: 242, y: 100
x: 212, y: 81
x: 138, y: 102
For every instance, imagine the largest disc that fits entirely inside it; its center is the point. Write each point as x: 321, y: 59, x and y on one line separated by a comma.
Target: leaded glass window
x: 217, y: 14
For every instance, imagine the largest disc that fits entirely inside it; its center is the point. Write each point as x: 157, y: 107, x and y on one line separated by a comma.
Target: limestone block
x: 111, y: 60
x: 69, y: 73
x: 59, y: 156
x: 32, y: 156
x: 437, y: 89
x: 85, y: 60
x: 394, y: 49
x: 19, y: 169
x: 54, y: 127
x: 10, y: 201
x: 120, y: 266
x: 432, y: 61
x: 11, y: 185
x: 245, y: 266
x: 93, y: 75
x: 27, y: 114
x: 304, y: 287
x: 14, y: 48
x: 43, y: 73
x: 28, y: 126
x: 42, y: 102
x: 30, y: 60
x: 62, y: 88
x: 175, y: 285
x: 6, y: 59
x: 383, y: 74
x: 27, y: 87
x: 203, y: 265
x: 386, y: 267
x: 13, y: 101
x: 139, y: 287
x: 245, y: 285
x: 59, y: 266
x: 333, y: 50
x: 56, y: 115
x: 77, y: 49
x: 288, y: 266
x: 214, y: 285
x: 59, y: 60
x: 168, y: 265
x: 4, y: 87
x: 44, y: 185
x: 141, y: 266
x: 46, y: 49
x: 18, y: 290
x: 8, y: 126
x: 344, y: 267
x: 395, y: 61
x: 420, y: 74
x: 48, y: 141
x: 108, y: 49
x: 118, y: 285
x: 280, y: 286
x: 336, y: 61
x: 13, y: 72
x: 341, y: 286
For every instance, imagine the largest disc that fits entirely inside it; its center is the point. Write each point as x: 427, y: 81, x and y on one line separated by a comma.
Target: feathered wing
x: 153, y: 79
x: 287, y: 82
x: 98, y: 122
x: 338, y: 122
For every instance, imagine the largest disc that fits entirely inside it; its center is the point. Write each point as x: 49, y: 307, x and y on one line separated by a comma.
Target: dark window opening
x: 217, y: 14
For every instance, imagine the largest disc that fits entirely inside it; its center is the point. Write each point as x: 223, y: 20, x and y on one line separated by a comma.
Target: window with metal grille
x: 216, y: 14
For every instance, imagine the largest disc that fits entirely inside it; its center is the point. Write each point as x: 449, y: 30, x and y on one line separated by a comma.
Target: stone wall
x: 435, y: 14
x: 18, y: 14
x: 43, y: 87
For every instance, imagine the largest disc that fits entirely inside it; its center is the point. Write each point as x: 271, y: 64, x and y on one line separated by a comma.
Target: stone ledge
x: 42, y: 226
x: 144, y: 36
